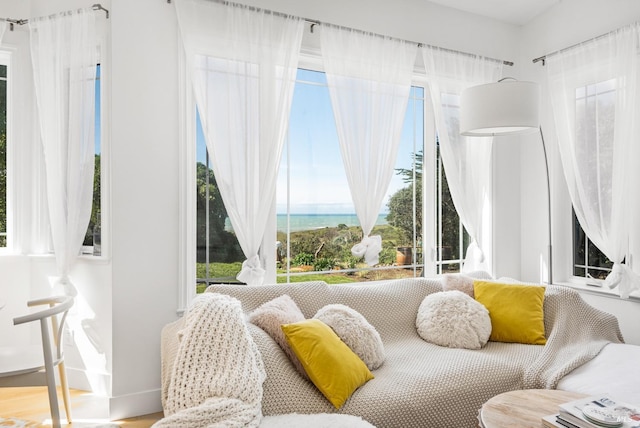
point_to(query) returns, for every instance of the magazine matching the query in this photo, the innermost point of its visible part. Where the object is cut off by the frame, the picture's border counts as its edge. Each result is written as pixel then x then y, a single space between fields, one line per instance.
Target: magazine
pixel 600 411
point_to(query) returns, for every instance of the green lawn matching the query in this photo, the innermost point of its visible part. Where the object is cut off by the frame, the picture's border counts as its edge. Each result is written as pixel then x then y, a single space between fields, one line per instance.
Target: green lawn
pixel 226 272
pixel 328 278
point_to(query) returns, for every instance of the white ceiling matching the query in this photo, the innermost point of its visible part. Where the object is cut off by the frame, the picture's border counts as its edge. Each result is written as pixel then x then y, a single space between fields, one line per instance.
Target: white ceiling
pixel 517 12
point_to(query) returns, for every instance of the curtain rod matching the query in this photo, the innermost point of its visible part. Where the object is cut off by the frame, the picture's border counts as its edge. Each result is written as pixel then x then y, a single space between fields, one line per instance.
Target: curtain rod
pixel 315 22
pixel 543 58
pixel 11 22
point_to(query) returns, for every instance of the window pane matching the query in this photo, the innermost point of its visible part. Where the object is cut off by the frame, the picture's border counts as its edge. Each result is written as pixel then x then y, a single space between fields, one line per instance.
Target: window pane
pixel 317 225
pixel 452 237
pixel 588 260
pixel 93 237
pixel 595 119
pixel 218 254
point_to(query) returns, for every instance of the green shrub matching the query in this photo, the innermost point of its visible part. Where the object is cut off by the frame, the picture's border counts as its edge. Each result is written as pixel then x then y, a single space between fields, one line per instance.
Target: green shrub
pixel 388 256
pixel 302 259
pixel 323 263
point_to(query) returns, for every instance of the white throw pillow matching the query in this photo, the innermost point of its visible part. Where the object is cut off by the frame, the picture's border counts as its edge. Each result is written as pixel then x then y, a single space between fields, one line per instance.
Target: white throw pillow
pixel 457 281
pixel 453 319
pixel 354 330
pixel 271 315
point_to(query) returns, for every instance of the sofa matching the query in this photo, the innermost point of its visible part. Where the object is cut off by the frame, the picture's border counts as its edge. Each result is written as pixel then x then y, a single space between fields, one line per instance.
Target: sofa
pixel 419 383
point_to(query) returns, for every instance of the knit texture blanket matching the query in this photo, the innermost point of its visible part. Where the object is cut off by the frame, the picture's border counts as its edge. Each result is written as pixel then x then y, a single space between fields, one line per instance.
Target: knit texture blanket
pixel 218 372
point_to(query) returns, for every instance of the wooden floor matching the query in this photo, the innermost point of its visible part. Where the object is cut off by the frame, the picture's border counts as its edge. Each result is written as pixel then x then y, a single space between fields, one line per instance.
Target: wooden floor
pixel 33 404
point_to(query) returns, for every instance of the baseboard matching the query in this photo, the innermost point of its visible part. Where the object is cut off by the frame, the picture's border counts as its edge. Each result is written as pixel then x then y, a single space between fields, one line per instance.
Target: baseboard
pixel 119 407
pixel 136 404
pixel 97 383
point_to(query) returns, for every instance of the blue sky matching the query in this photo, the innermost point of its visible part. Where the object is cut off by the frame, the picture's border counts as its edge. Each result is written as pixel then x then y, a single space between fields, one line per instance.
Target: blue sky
pixel 318 183
pixel 98 112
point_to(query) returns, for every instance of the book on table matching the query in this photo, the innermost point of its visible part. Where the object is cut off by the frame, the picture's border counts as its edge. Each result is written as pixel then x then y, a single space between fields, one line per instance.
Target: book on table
pixel 595 412
pixel 550 421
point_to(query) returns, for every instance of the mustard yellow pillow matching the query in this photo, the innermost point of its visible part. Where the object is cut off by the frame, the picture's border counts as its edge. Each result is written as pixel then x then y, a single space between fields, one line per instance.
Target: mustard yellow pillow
pixel 516 311
pixel 332 367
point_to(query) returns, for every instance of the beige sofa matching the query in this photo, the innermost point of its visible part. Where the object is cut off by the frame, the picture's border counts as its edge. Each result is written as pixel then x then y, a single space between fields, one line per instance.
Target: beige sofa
pixel 420 384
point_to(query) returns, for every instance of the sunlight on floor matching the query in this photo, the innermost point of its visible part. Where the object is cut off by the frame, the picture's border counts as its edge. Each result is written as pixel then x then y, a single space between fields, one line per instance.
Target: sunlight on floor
pixel 87 410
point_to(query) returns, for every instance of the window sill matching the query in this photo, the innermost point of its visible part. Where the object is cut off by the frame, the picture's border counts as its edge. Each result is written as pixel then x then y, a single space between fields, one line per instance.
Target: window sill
pixel 601 291
pixel 83 257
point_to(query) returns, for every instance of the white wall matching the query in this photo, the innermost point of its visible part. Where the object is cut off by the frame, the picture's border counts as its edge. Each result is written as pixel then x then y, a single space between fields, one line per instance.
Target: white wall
pixel 144 197
pixel 568 23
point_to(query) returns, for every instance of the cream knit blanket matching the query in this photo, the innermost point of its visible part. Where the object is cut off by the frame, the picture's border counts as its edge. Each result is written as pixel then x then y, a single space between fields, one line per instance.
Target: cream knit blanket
pixel 218 372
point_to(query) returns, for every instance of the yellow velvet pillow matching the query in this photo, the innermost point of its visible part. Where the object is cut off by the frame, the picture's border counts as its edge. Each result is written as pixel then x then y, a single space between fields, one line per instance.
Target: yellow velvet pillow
pixel 331 365
pixel 516 311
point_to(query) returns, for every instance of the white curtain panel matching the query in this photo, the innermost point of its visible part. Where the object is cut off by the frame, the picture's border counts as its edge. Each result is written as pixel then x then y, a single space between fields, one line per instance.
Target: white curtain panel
pixel 466 160
pixel 65 53
pixel 369 79
pixel 594 91
pixel 243 63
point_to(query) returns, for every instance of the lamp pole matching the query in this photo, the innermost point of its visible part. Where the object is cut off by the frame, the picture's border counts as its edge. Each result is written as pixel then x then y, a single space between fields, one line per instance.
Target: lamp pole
pixel 549 248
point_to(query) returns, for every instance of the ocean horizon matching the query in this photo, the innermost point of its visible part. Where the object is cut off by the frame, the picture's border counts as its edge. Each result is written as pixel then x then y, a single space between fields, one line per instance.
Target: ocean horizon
pixel 299 222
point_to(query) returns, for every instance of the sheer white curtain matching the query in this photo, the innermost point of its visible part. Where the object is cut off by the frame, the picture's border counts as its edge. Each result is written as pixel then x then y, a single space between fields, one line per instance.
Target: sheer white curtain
pixel 467 160
pixel 243 63
pixel 65 53
pixel 3 27
pixel 594 91
pixel 369 79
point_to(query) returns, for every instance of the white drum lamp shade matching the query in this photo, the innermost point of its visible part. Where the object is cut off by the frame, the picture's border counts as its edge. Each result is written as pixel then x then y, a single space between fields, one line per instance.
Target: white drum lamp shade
pixel 500 108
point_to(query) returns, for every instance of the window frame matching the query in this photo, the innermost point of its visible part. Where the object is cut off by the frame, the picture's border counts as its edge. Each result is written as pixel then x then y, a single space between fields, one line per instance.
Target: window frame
pixel 563 223
pixel 89 250
pixel 6 58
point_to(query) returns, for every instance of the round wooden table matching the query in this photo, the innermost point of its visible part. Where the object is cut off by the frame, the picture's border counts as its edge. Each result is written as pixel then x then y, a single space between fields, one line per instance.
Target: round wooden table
pixel 523 408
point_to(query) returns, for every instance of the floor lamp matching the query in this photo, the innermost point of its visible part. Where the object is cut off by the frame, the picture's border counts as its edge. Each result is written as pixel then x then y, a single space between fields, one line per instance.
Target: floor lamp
pixel 506 107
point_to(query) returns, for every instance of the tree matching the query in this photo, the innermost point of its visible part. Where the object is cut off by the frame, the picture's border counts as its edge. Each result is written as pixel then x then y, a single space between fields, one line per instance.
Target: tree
pixel 401 212
pixel 95 218
pixel 401 203
pixel 223 245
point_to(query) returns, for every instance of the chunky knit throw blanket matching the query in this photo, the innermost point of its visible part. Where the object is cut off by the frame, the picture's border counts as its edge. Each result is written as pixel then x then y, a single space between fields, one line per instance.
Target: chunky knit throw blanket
pixel 218 371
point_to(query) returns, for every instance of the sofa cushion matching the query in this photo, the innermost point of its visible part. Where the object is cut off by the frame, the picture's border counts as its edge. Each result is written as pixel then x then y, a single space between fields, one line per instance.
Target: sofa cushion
pixel 458 281
pixel 271 315
pixel 332 367
pixel 354 330
pixel 516 311
pixel 453 319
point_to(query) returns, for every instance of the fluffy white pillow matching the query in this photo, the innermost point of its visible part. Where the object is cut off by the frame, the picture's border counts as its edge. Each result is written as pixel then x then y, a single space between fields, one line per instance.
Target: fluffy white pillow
pixel 453 319
pixel 271 315
pixel 458 281
pixel 354 330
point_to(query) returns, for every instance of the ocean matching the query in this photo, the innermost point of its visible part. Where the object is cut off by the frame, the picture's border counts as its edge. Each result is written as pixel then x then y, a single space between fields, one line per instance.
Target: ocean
pixel 298 222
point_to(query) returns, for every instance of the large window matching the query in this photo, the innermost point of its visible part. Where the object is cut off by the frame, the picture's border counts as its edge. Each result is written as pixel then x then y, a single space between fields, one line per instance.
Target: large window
pixel 315 218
